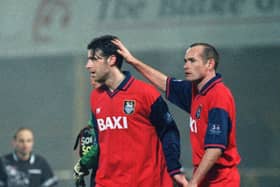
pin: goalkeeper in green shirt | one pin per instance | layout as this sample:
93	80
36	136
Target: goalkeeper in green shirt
88	151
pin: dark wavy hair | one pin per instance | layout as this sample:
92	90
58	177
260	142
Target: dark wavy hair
104	45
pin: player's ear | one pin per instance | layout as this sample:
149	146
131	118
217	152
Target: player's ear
112	60
211	63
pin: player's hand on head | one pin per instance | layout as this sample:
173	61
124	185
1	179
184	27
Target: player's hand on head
124	51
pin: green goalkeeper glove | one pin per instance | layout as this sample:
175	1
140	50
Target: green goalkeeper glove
79	171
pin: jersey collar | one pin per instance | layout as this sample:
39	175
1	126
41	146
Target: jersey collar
31	158
126	82
124	85
211	83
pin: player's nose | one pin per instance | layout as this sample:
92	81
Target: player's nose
88	65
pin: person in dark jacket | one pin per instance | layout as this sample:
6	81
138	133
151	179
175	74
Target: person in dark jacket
23	168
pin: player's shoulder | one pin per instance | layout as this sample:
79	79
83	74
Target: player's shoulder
7	157
221	90
220	96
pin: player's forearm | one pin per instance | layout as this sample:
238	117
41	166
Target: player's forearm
210	157
168	134
156	77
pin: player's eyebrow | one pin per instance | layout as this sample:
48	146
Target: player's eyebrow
189	59
91	58
95	57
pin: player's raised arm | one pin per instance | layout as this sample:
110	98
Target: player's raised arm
154	76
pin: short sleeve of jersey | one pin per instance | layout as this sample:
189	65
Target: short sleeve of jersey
219	123
179	92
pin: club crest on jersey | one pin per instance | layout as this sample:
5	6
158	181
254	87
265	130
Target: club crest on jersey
129	107
198	112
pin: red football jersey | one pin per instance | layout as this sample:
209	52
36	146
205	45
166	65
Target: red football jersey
131	153
205	128
212	118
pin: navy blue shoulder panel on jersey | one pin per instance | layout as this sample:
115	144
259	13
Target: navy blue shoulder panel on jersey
179	92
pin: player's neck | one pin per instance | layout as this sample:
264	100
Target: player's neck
115	80
200	84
